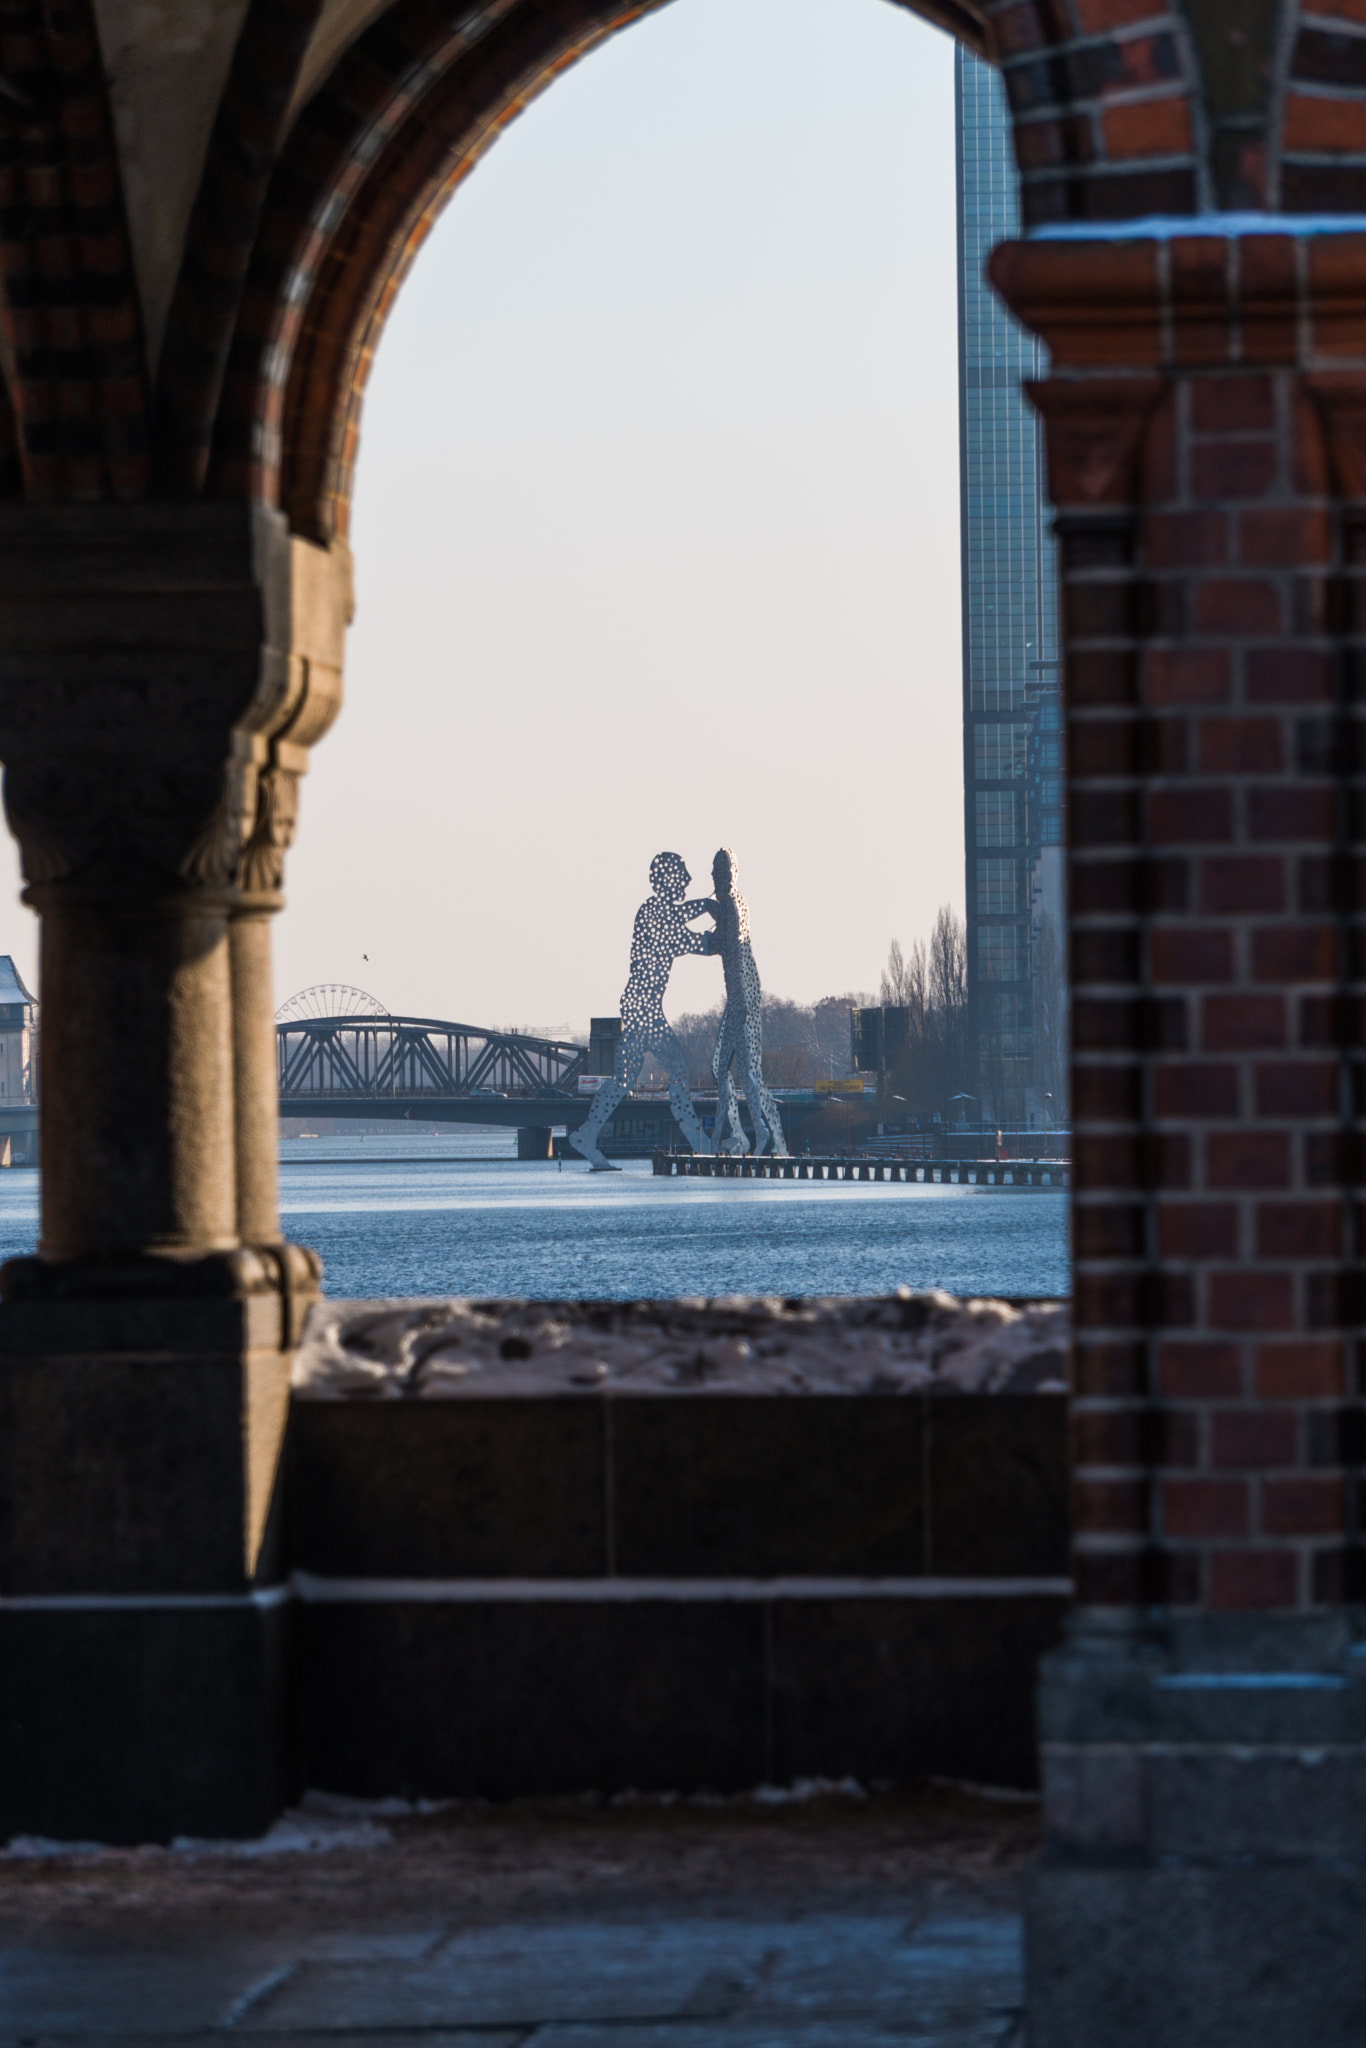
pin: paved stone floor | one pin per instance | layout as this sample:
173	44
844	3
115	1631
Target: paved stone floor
829	1923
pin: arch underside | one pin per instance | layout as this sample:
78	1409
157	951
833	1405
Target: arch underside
73	397
302	234
370	165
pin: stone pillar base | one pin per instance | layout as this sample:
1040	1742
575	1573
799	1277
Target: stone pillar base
1195	1956
1204	1884
535	1142
143	1610
128	1722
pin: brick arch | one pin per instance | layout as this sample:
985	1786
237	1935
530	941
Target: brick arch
73	397
1322	125
1105	128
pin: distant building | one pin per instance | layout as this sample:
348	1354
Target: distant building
18	1038
1012	725
18	1068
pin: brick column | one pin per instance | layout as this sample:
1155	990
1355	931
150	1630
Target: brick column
1205	1729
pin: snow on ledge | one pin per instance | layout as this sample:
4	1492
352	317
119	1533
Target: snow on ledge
904	1343
1167	227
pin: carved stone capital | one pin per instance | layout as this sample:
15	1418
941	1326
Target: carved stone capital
163	670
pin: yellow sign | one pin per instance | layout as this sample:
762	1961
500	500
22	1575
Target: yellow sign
852	1086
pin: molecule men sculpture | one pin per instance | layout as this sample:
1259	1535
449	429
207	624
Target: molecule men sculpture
661	935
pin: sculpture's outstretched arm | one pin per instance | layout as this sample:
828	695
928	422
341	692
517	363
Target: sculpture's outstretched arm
698	942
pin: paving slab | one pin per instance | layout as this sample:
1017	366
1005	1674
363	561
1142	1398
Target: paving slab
949	1970
834	1923
426	2037
995	2031
524	1976
870	1964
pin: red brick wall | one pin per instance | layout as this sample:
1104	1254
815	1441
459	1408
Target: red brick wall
1209	573
1323	128
1101	92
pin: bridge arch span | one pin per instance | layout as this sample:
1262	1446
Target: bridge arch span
354	1057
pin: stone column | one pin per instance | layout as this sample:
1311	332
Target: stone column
310	606
255	1095
1204	1730
162	670
137	1147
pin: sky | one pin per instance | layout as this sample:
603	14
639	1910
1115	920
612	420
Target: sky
656	535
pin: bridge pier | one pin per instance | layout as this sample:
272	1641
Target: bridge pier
534	1141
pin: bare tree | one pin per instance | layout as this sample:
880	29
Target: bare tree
948	974
803	1042
904	984
948	997
932	982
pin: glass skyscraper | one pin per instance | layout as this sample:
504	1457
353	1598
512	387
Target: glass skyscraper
1011	700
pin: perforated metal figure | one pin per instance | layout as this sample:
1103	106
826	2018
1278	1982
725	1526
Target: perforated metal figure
660	937
742	1031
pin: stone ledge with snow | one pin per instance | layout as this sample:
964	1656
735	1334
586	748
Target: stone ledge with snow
905	1343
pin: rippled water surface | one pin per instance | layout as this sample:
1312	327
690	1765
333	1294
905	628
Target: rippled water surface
460	1215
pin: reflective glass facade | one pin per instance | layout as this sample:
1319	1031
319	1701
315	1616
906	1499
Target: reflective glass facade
1011	720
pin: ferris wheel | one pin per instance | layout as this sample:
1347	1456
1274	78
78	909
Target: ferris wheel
329	999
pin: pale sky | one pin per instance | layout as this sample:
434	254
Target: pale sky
656	533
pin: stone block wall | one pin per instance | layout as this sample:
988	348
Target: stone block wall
607	1578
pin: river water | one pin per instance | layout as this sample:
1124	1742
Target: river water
459	1214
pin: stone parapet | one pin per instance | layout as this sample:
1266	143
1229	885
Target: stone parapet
685	1545
516	1548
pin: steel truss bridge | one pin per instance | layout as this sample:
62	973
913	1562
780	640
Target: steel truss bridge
368	1066
383	1066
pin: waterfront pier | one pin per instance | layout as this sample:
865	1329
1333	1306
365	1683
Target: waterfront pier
983	1173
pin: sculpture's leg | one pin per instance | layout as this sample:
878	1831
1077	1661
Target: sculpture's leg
771	1115
631	1050
680	1095
730	1132
730	1135
721	1075
766	1133
151	662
